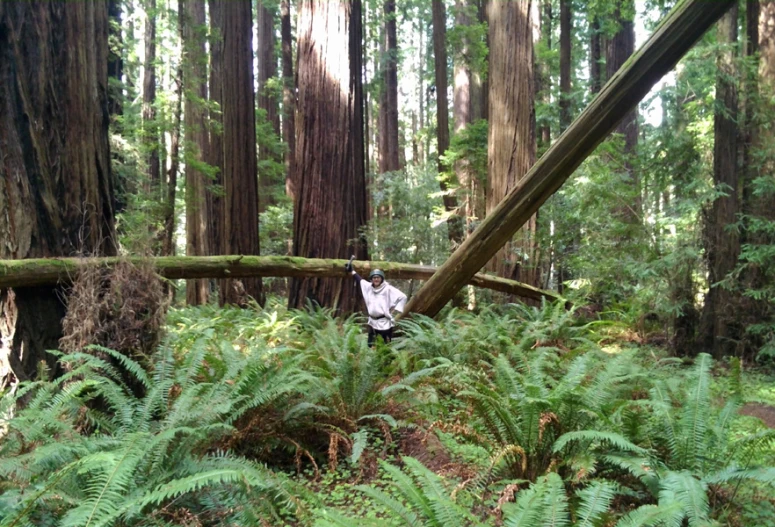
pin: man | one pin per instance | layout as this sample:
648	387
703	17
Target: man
381	299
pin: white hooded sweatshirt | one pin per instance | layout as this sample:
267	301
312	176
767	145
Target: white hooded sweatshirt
380	302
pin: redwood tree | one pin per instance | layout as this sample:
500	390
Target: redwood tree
512	141
267	69
150	129
330	206
722	245
289	98
439	19
240	171
195	87
57	197
388	134
215	210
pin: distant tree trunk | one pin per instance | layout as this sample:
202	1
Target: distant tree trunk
421	87
595	56
751	83
461	111
168	248
267	69
196	140
439	19
289	98
543	78
215	212
618	50
150	128
512	141
722	245
240	171
389	158
115	59
481	87
331	203
57	196
565	63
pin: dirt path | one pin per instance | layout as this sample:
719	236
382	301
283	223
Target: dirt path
765	412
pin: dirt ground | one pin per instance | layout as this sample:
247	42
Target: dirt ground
765	412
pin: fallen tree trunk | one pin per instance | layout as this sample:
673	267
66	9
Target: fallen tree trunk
49	271
682	27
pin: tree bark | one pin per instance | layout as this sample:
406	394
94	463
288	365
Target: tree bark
57	193
511	141
168	247
439	20
289	98
331	204
240	171
565	64
461	111
40	272
150	127
267	69
683	27
196	141
618	50
215	211
389	158
722	245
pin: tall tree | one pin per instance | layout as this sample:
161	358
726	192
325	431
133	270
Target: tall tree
115	59
388	135
543	14
240	171
566	25
618	50
722	245
57	197
595	55
512	140
215	212
196	143
267	69
289	98
330	207
150	128
439	19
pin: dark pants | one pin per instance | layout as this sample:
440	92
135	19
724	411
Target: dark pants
387	335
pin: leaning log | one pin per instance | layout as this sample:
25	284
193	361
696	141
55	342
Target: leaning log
49	271
682	27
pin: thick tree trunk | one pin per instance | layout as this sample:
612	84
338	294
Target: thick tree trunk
511	141
683	27
57	196
722	245
215	212
150	127
439	20
388	156
240	171
565	64
618	50
196	140
36	273
331	204
267	69
289	99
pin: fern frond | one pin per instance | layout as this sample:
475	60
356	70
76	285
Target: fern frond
690	492
595	501
594	436
651	516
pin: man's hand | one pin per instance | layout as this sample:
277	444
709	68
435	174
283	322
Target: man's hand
348	267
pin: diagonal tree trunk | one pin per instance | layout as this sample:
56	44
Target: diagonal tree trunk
330	206
683	26
57	192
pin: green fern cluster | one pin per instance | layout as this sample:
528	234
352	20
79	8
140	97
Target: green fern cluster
86	452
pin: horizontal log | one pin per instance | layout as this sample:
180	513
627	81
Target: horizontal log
50	271
682	27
